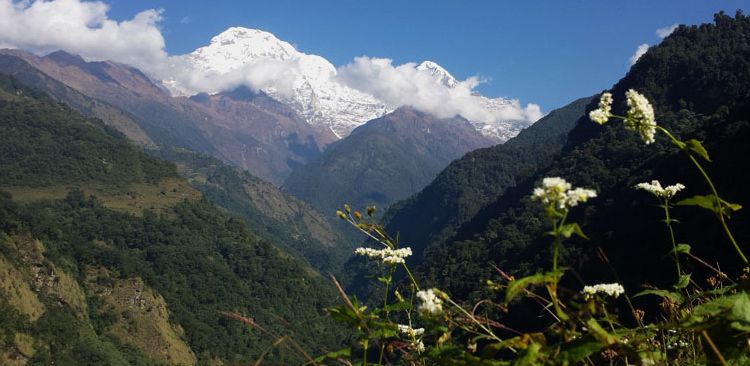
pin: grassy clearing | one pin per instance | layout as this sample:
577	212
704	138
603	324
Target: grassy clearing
133	198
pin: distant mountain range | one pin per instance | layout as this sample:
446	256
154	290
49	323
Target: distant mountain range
384	161
247	129
310	84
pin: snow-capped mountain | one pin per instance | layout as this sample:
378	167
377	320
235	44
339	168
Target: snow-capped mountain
308	83
310	88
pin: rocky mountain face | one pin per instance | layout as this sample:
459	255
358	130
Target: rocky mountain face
246	129
307	83
384	161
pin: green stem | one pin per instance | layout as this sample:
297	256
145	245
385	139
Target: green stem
606	316
365	345
668	221
413	281
720	210
489	331
387	313
552	289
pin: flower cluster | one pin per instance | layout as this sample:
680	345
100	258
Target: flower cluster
409	331
656	189
431	304
555	191
387	255
640	116
609	289
602	114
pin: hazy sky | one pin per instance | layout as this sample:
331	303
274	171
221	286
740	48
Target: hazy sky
543	52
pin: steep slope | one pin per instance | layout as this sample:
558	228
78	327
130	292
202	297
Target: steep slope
478	178
698	79
29	75
383	161
246	129
89	280
295	225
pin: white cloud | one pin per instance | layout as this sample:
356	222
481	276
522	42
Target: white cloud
638	53
82	28
666	31
182	76
405	85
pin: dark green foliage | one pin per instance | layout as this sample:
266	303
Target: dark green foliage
470	183
46	143
698	78
202	262
198	258
294	224
478	178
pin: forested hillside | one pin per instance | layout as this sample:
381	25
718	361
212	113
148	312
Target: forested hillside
108	257
699	80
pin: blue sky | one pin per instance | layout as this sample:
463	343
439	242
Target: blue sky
545	52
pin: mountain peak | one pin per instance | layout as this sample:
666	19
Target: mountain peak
441	75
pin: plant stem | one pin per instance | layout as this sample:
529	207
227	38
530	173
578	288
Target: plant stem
489	331
668	221
385	306
413	281
719	207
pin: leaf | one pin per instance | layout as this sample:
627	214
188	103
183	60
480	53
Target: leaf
682	282
579	351
708	202
675	297
682	248
596	330
696	147
345	353
568	230
516	286
733	310
731	206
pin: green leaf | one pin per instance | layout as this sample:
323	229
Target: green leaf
696	147
674	296
708	202
682	282
682	248
515	287
598	332
733	310
731	206
579	351
342	353
568	230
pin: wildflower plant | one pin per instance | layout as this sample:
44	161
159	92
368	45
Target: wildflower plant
426	326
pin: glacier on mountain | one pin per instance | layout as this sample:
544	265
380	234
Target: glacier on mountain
310	85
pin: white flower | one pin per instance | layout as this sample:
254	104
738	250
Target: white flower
574	196
387	255
656	189
602	114
419	346
609	289
409	331
557	192
431	304
640	116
